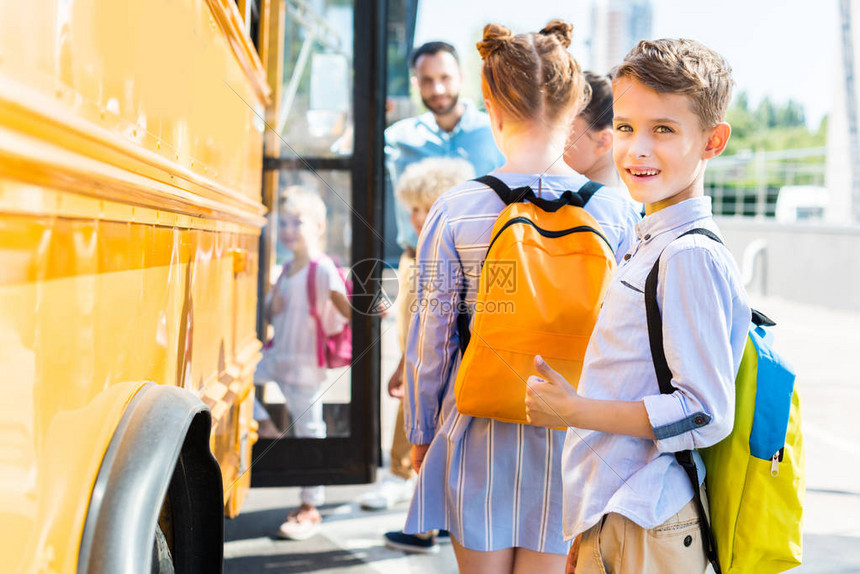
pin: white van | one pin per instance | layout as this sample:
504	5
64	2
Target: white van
801	203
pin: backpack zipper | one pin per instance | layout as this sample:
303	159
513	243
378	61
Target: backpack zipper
774	462
550	234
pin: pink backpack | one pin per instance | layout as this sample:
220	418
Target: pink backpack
333	351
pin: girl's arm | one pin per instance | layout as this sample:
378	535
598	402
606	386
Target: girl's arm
341	303
331	282
705	325
432	341
274	303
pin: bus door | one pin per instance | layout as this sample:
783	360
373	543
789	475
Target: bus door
325	135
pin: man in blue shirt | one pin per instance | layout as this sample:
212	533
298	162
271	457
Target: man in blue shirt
451	128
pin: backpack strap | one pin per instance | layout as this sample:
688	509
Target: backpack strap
509	196
312	302
464	334
505	193
664	379
588	190
759	319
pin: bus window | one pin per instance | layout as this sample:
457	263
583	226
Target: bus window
303	193
315	107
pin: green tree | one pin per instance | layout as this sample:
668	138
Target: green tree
770	126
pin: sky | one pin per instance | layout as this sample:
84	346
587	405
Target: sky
784	49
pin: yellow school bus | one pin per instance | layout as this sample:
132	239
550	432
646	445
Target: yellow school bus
131	153
137	218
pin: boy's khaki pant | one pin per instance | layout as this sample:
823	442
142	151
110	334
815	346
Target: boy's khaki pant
617	545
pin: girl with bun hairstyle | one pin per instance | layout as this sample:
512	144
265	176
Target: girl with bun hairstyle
495	486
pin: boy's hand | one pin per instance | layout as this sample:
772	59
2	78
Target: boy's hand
549	397
279	304
395	384
419	451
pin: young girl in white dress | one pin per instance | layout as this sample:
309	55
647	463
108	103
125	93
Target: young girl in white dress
292	359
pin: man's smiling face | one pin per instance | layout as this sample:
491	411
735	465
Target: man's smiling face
438	79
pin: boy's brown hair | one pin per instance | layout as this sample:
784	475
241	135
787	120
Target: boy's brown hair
681	66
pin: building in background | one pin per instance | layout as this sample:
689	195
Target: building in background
616	26
843	132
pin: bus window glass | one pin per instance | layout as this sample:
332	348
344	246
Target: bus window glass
315	116
302	399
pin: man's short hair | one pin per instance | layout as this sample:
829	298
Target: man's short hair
423	182
681	66
430	48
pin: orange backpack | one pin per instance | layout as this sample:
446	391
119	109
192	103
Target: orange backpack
543	280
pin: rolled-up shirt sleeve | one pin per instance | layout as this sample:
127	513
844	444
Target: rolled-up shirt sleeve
432	342
695	299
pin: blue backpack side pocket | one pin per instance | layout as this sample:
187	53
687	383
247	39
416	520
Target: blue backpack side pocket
775	386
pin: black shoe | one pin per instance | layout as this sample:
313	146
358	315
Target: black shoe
443	536
397	540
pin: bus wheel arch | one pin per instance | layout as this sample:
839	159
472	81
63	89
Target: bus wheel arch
158	478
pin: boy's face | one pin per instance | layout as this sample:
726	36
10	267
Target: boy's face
660	148
417	215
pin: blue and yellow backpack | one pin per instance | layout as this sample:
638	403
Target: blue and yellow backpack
755	476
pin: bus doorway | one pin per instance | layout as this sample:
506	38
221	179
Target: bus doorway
325	136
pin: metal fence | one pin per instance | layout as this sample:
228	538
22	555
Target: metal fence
748	184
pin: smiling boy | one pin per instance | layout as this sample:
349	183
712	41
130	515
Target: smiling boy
625	493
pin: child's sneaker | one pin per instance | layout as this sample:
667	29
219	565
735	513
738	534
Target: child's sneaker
411	543
388	492
300	525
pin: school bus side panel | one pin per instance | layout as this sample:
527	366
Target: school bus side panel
130	169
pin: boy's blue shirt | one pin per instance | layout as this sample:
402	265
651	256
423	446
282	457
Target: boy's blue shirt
705	323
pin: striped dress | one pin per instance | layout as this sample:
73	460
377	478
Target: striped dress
493	485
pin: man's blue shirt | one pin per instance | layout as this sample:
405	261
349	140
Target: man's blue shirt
412	139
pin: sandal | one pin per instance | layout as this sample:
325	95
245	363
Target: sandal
301	524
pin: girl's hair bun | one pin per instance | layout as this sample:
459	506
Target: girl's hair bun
495	37
558	28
